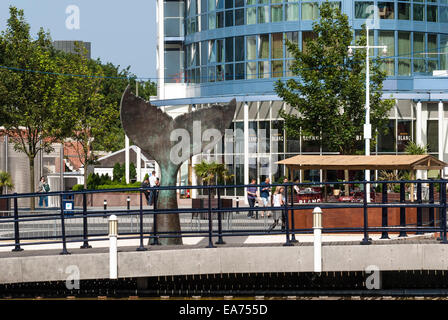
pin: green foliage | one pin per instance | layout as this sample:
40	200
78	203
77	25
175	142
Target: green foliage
32	108
413	148
78	187
118	171
5	181
132	171
212	172
329	91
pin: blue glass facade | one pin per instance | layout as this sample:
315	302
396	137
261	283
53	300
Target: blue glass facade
235	48
228	41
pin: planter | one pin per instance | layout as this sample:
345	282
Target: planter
114	199
5	205
202	203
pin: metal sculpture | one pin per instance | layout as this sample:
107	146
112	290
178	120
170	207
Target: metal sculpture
157	133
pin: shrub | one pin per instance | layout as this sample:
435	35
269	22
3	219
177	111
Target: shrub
78	187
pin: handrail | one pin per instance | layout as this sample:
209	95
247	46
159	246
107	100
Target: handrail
288	210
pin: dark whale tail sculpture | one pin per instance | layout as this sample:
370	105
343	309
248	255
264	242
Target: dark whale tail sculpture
152	130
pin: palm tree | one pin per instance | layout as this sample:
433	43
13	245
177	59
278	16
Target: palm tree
5	181
212	172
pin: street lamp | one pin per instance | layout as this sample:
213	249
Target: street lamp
367	126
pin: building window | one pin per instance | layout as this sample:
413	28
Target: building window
386	10
251	15
263	14
292	12
431	13
386	38
403	134
404	11
386	141
363	10
277	13
310	11
419	12
432	130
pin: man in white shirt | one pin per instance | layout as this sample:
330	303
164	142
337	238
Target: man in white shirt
152	183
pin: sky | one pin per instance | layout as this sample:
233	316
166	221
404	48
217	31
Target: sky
121	32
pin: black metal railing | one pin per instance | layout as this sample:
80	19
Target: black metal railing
435	223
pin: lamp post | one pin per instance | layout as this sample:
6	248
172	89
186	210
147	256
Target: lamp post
367	125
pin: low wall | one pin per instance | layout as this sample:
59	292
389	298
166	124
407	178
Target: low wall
114	199
354	217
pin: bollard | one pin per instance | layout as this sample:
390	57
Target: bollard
317	230
105	208
113	255
128	202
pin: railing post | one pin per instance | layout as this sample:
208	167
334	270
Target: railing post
402	209
84	222
210	222
113	252
64	244
128	202
419	209
443	212
16	225
286	211
431	201
141	247
220	240
384	211
317	231
293	227
366	239
154	219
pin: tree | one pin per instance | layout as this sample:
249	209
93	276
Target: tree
112	89
31	102
329	93
91	113
5	181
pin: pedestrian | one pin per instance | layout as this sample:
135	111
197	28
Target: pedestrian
152	184
251	197
156	192
285	180
43	188
145	184
277	201
264	195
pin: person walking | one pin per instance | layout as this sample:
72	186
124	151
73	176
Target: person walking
251	197
285	180
152	184
264	195
43	188
145	184
277	201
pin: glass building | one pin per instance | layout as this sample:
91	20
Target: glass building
210	51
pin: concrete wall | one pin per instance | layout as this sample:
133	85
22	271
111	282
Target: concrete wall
185	261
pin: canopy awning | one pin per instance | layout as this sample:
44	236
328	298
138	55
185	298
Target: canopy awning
361	162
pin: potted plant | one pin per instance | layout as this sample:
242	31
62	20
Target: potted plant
211	173
5	181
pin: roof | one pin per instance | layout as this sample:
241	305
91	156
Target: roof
109	161
361	162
